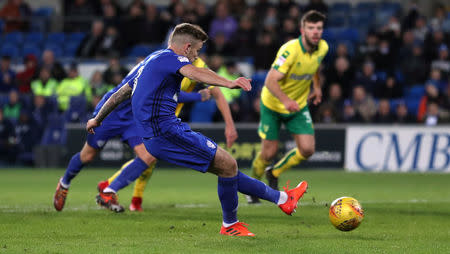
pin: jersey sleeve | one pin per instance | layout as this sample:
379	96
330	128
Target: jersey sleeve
173	62
284	59
189	97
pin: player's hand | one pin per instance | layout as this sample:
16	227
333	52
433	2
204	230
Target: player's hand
205	93
291	105
230	135
91	124
315	96
241	82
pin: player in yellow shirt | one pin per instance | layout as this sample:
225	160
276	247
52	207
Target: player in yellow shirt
284	100
231	135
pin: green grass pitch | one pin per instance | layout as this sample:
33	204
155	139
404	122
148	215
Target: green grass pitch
404	213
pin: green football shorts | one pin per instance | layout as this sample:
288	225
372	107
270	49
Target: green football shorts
296	123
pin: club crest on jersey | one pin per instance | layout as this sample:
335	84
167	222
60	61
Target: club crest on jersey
183	59
175	97
210	144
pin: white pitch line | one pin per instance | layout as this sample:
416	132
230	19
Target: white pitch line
84	208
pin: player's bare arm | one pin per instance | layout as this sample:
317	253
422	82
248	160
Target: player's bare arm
230	130
316	94
116	98
274	87
209	77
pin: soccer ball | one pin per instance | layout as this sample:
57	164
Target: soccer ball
346	213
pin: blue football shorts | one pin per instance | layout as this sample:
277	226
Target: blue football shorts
109	129
184	147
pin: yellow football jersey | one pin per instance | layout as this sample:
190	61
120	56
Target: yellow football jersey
298	67
187	85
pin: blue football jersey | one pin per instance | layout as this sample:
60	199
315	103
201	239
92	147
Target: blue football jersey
156	87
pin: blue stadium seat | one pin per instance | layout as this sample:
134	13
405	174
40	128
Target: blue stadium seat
348	34
381	75
57	38
55	132
412	105
416	91
34	37
337	20
44	11
140	50
341	8
203	112
75	37
31	48
10	50
71	48
258	79
13	37
2	25
364	6
390	6
56	48
77	110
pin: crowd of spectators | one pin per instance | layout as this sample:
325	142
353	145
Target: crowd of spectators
367	81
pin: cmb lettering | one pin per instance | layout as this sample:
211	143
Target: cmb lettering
428	151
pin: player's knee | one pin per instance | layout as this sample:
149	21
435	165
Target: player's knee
146	158
231	170
307	151
87	157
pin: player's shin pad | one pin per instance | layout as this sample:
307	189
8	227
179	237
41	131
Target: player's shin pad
292	158
142	181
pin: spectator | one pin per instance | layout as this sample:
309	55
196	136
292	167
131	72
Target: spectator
363	103
405	52
27	136
90	45
335	98
436	79
45	85
110	43
432	43
383	114
402	116
40	112
237	7
132	26
56	69
284	6
432	116
230	72
154	27
431	95
11	110
414	68
341	73
7	75
113	68
73	85
420	29
342	51
350	115
326	114
245	38
289	30
438	18
390	89
15	14
367	50
270	21
260	8
110	15
98	86
223	23
8	144
317	5
219	46
204	18
265	51
24	77
384	57
367	78
442	63
79	15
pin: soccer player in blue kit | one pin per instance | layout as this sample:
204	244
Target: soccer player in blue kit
119	123
155	90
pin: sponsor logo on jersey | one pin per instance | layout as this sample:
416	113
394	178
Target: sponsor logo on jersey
210	144
183	59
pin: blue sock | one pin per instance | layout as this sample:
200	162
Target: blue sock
227	190
253	187
74	167
129	174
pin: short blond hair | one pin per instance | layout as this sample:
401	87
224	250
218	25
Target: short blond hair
186	32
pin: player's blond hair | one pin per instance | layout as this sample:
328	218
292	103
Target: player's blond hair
186	32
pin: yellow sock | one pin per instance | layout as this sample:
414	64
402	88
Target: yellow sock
292	158
142	181
119	171
258	166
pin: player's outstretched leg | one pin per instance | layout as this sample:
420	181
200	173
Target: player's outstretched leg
287	200
258	166
107	197
76	163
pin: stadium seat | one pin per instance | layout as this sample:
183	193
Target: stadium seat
416	92
55	132
348	34
412	105
337	20
31	48
44	11
203	112
341	8
2	25
34	37
364	6
77	109
57	38
13	38
75	37
10	50
258	79
71	48
140	50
